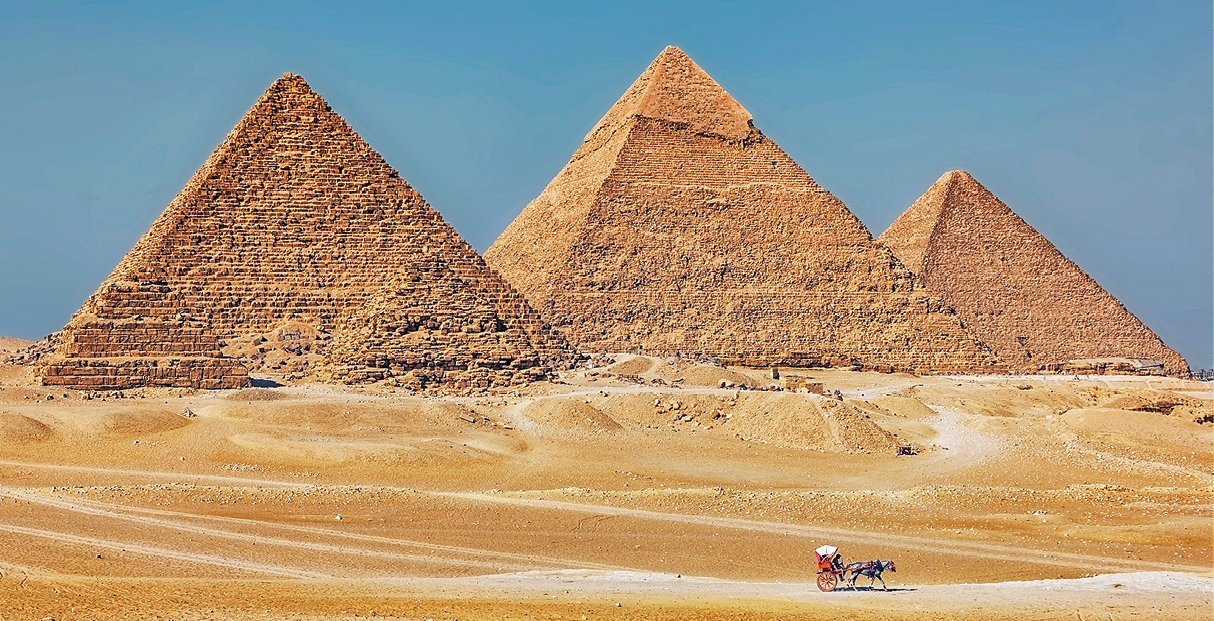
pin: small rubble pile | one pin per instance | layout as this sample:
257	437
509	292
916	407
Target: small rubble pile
293	349
32	353
1168	403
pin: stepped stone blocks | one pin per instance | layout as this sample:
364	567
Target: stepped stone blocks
678	226
441	324
295	220
1011	286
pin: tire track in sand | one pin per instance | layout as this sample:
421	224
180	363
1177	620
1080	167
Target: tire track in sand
177	555
180	476
514	561
937	546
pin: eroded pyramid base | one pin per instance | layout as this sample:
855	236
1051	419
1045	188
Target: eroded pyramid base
426	378
123	373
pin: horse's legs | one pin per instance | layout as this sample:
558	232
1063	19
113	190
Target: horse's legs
883	587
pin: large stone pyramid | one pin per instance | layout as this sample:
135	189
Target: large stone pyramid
294	220
1011	286
679	227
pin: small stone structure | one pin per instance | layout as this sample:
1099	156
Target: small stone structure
678	226
1011	286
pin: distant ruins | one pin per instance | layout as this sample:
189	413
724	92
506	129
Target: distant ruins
678	226
295	225
1014	290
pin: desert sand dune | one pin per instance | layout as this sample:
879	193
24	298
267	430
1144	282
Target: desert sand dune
676	500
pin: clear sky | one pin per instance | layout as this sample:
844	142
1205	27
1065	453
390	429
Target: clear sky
1091	119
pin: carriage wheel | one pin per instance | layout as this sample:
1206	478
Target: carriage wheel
827	581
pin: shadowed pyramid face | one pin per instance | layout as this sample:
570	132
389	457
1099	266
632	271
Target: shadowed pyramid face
1010	285
295	222
678	226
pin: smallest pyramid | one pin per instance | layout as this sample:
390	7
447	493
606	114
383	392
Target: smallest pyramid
1010	286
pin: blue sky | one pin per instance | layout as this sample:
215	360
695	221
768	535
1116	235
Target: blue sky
1091	119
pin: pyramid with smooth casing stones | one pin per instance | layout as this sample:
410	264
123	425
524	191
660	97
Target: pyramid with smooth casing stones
294	236
1011	286
679	227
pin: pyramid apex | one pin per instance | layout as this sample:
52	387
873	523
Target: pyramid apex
954	175
290	81
674	88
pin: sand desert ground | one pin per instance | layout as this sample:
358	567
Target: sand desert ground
335	408
638	488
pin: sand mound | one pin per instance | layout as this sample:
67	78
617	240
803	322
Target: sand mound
1197	414
1148	428
11	344
136	422
346	418
1150	401
12	375
658	409
257	394
808	423
903	406
570	414
855	430
783	420
634	366
1007	401
709	375
16	428
295	449
1183	407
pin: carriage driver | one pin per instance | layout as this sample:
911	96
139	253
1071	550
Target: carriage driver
828	559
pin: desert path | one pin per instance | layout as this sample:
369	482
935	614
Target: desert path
177	555
242	529
159	474
824	533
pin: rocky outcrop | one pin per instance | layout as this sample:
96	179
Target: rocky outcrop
678	226
1013	289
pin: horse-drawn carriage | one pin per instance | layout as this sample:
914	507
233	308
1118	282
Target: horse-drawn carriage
831	570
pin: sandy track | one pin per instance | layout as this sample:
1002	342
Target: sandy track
934	545
496	560
964	446
177	555
176	476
